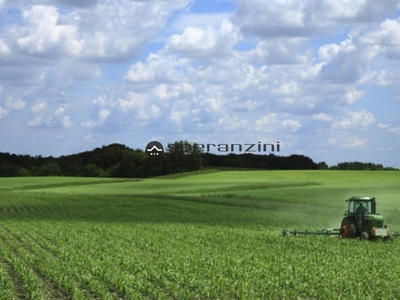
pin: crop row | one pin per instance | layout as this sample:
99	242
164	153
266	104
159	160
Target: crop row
83	260
70	246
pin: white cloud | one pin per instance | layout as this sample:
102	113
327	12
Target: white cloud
353	95
328	52
387	36
273	122
279	51
354	120
355	144
60	111
208	42
41	33
213	105
122	29
159	67
39	106
101	101
101	117
288	69
390	129
349	63
4	49
66	122
277	18
131	101
10	105
165	92
199	20
98	31
322	117
35	122
55	119
395	130
383	126
3	112
79	3
177	116
307	17
291	125
232	124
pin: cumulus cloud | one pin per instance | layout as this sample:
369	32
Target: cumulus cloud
282	51
355	144
353	95
39	106
101	117
51	119
159	68
120	30
78	3
278	18
322	117
295	85
273	122
207	42
10	105
349	63
387	36
393	129
40	33
354	120
295	70
306	17
35	122
4	48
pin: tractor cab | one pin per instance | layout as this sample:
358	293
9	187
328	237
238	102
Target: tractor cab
361	205
361	220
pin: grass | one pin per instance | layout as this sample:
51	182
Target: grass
204	235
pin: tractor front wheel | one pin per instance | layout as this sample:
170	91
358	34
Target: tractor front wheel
364	236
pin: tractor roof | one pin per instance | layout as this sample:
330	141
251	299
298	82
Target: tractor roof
358	198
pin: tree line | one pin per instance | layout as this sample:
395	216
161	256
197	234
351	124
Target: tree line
356	165
116	160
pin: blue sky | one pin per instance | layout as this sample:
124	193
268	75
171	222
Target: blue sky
321	77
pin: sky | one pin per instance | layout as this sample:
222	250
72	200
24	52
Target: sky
322	77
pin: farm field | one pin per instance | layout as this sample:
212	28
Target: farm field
204	235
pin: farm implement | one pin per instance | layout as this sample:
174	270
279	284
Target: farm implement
360	221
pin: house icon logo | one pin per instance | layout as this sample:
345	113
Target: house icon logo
154	148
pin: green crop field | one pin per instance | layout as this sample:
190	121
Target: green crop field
206	235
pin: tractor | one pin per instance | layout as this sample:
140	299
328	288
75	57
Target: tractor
361	220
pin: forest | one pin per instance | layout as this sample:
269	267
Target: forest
120	161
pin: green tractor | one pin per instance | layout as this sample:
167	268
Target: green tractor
361	220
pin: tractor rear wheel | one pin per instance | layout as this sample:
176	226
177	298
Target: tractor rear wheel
348	229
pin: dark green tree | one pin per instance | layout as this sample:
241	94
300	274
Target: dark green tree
50	169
